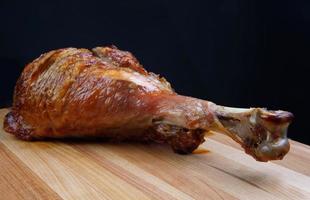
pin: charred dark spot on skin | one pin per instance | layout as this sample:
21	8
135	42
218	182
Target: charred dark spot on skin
10	124
181	139
123	59
13	124
186	141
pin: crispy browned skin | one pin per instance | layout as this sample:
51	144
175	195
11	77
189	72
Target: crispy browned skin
107	93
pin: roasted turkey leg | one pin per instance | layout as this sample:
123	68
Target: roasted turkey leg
107	93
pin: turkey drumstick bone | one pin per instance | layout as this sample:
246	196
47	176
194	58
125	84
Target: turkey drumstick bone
260	132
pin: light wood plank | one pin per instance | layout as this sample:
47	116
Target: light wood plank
135	159
18	182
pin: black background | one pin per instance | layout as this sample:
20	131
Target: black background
235	53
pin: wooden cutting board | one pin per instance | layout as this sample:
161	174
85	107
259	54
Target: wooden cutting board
98	170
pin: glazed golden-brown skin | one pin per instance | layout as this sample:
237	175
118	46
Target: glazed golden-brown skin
107	93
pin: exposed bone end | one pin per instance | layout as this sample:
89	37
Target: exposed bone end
262	133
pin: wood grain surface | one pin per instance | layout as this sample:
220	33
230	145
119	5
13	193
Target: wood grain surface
76	169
